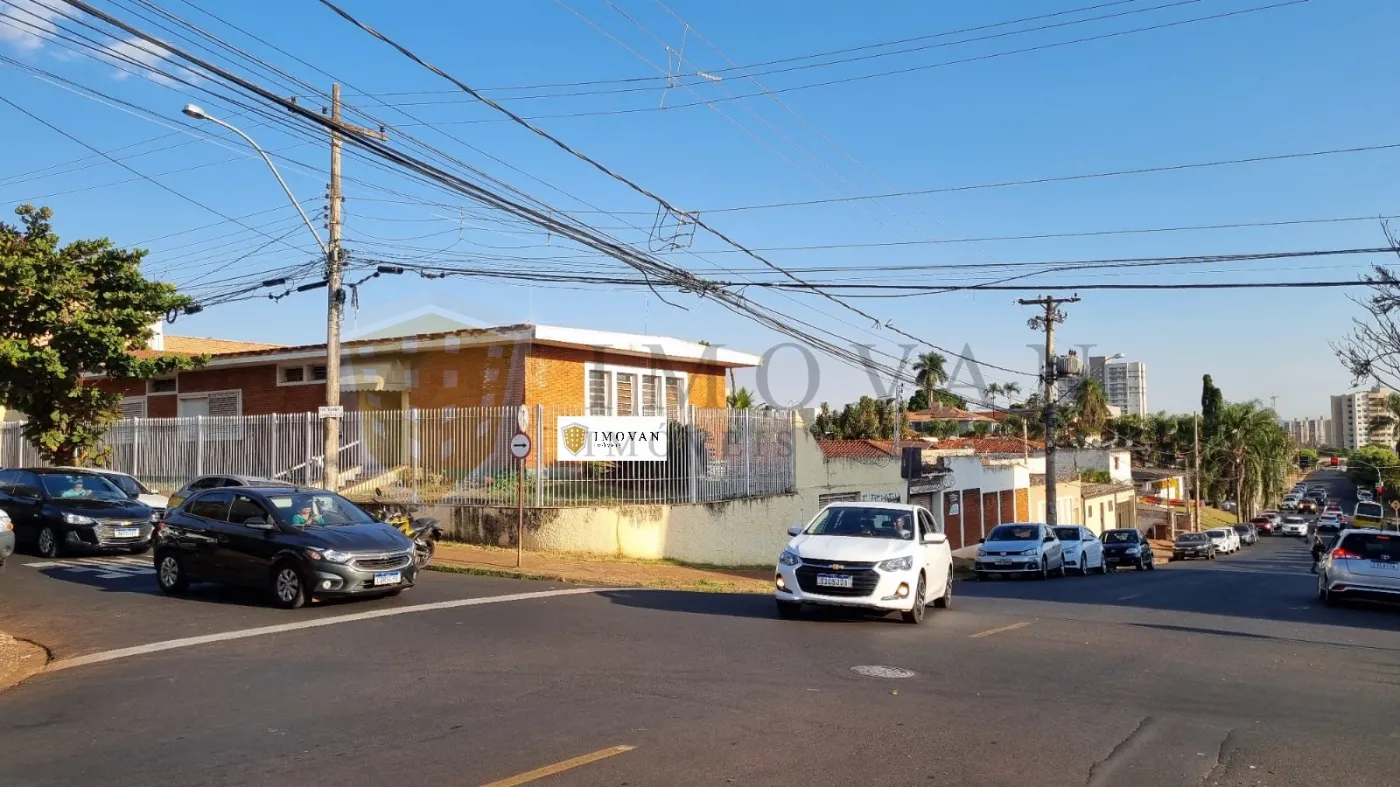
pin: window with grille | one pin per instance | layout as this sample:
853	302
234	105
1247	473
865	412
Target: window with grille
318	372
293	374
134	407
162	385
673	396
626	394
651	394
598	392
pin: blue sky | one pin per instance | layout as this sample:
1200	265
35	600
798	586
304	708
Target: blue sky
1308	76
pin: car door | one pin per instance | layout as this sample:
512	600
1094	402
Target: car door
1091	550
25	505
937	556
248	551
8	480
203	516
1051	548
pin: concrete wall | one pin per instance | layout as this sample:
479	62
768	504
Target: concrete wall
750	531
1116	461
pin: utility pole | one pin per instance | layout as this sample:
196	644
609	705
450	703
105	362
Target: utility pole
1047	323
1196	459
335	296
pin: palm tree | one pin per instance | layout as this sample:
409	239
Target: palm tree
930	372
1250	452
1091	408
993	391
1010	390
741	399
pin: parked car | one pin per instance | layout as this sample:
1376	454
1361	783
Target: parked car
7	537
298	543
1290	503
1022	548
133	488
1362	564
1263	526
1246	533
1220	537
221	481
1294	526
58	509
1127	547
886	557
1189	545
1082	549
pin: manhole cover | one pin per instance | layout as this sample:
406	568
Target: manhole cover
876	671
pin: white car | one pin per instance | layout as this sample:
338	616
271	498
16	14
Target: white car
1294	526
1021	548
888	557
1220	536
133	488
1365	497
1082	549
1328	519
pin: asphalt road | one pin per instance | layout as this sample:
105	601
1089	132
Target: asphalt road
1226	672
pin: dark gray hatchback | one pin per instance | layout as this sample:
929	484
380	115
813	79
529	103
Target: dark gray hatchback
296	543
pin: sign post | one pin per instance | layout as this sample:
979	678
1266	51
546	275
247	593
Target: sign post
520	448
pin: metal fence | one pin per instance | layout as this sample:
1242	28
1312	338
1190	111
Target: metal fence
454	456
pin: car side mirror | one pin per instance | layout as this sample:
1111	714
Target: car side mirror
935	538
1048	539
981	540
795	530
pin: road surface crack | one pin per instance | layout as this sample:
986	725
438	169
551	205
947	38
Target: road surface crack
1220	757
1101	772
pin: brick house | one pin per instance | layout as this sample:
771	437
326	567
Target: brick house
597	372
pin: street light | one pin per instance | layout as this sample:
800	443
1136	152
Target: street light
197	112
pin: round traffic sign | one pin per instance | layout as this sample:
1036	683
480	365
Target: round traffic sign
520	446
522	417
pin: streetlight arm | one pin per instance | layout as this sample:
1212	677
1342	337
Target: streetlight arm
276	174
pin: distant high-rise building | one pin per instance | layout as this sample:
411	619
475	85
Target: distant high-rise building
1124	382
1353	415
1311	432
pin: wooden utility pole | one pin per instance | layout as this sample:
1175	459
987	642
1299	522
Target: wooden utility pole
1196	458
1047	323
335	296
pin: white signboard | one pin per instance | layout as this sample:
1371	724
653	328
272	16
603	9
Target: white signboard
335	411
520	446
522	417
612	438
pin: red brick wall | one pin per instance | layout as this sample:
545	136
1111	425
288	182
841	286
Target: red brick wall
990	517
1008	506
554	375
972	515
953	523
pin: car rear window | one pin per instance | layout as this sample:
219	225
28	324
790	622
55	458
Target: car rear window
1120	537
1374	546
1067	533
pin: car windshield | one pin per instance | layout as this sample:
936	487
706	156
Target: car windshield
1187	538
1120	537
1067	533
80	486
129	485
1241	528
858	522
1293	520
1216	533
301	509
1014	533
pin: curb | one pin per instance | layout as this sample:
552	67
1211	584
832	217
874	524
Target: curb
20	660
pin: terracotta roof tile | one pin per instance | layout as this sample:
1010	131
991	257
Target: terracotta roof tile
856	449
202	345
948	414
989	445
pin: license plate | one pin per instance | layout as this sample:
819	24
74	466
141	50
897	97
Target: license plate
1003	562
388	578
834	581
127	532
1386	566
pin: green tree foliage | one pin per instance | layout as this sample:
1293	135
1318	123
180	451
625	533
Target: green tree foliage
918	402
1370	463
1212	401
1090	410
1308	454
930	372
1249	454
69	311
866	419
742	399
1095	476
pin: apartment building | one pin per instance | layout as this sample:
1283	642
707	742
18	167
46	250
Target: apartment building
1124	383
1352	417
1309	431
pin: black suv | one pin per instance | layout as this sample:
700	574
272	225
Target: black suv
1127	547
58	509
297	543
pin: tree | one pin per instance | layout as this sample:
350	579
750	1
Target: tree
930	372
1250	453
949	399
866	419
741	399
1371	463
70	311
1211	403
1372	351
1095	476
1090	409
1010	390
993	390
919	401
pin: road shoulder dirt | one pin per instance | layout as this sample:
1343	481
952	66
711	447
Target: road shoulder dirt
601	570
19	660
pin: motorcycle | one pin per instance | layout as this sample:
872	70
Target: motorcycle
424	532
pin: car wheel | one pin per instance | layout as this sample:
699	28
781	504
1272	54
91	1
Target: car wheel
1140	565
1060	572
915	614
1103	565
288	588
1327	597
946	600
789	610
48	543
423	552
170	574
1151	562
1044	570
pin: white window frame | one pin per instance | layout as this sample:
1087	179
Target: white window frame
610	382
150	391
233	432
307	378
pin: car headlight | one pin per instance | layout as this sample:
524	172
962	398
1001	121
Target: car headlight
898	563
79	519
1134	550
789	558
981	552
333	555
1031	551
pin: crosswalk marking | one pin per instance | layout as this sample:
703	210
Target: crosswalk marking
123	567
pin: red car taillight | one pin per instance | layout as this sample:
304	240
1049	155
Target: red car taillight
1342	554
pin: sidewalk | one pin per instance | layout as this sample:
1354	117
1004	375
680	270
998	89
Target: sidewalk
600	570
19	659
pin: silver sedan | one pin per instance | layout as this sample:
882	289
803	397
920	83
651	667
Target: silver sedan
1362	564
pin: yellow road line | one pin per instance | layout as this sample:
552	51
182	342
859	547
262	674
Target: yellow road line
990	632
560	767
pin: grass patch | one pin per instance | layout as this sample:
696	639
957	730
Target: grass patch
655	583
